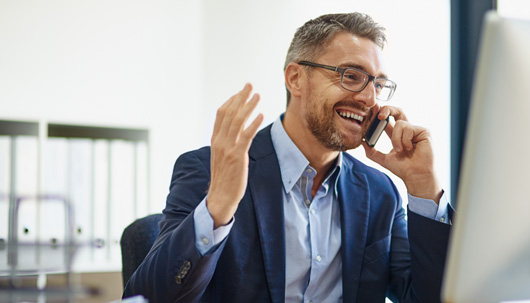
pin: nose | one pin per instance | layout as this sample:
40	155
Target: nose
367	95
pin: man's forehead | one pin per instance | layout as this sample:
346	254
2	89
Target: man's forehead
348	50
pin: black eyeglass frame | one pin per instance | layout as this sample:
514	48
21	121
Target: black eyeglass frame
342	70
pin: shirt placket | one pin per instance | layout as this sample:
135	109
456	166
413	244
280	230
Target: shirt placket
312	205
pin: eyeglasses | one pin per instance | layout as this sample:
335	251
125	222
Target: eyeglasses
355	80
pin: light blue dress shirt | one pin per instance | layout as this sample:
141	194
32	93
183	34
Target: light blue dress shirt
312	232
313	259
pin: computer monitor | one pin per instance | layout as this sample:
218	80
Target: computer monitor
489	252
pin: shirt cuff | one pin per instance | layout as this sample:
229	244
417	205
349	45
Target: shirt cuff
428	208
206	237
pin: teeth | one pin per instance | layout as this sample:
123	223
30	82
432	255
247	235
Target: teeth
351	116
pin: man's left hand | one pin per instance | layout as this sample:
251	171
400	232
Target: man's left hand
411	157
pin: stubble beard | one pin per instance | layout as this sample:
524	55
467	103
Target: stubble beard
323	127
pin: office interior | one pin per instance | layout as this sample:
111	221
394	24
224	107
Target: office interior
99	98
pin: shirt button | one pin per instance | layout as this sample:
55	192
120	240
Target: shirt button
205	241
442	219
319	258
313	211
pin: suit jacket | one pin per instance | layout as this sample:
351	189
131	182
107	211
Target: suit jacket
379	256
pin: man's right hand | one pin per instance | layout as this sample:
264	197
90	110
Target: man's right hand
229	155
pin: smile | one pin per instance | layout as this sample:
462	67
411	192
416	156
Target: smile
349	115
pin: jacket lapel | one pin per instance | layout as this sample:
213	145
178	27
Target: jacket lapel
354	201
266	191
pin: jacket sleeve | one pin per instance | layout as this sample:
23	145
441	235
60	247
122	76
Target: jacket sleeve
416	250
419	266
174	270
428	249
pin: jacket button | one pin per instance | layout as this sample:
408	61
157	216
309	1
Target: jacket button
183	271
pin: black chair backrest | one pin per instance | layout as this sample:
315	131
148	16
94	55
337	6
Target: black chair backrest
136	241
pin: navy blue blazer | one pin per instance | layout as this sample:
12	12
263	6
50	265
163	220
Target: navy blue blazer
379	256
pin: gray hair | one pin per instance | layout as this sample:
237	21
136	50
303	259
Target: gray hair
311	38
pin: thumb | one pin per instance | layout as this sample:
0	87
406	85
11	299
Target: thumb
373	154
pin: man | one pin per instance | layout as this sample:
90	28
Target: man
284	215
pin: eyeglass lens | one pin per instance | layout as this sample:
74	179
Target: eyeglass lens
356	81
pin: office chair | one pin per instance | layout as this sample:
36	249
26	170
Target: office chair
136	241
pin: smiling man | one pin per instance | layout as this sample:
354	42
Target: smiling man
283	214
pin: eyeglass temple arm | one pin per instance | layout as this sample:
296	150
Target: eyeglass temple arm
333	68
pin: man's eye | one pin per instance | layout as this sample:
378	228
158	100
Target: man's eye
379	85
352	77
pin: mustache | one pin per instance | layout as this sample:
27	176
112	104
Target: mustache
355	105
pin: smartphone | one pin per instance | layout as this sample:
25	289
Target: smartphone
375	130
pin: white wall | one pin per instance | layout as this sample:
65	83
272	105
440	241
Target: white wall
167	65
110	63
519	9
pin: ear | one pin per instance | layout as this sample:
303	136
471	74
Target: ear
294	74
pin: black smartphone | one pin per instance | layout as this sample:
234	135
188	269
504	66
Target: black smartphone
375	130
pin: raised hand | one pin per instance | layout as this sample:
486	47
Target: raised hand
229	155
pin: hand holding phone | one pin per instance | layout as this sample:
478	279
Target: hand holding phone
375	130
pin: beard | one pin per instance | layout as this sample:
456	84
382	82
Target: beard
323	127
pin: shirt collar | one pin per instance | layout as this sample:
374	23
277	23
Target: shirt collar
291	160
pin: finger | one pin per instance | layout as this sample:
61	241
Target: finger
408	135
242	116
228	110
248	134
240	98
221	112
389	129
373	154
396	138
220	116
395	112
235	106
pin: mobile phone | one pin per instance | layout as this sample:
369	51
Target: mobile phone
375	130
